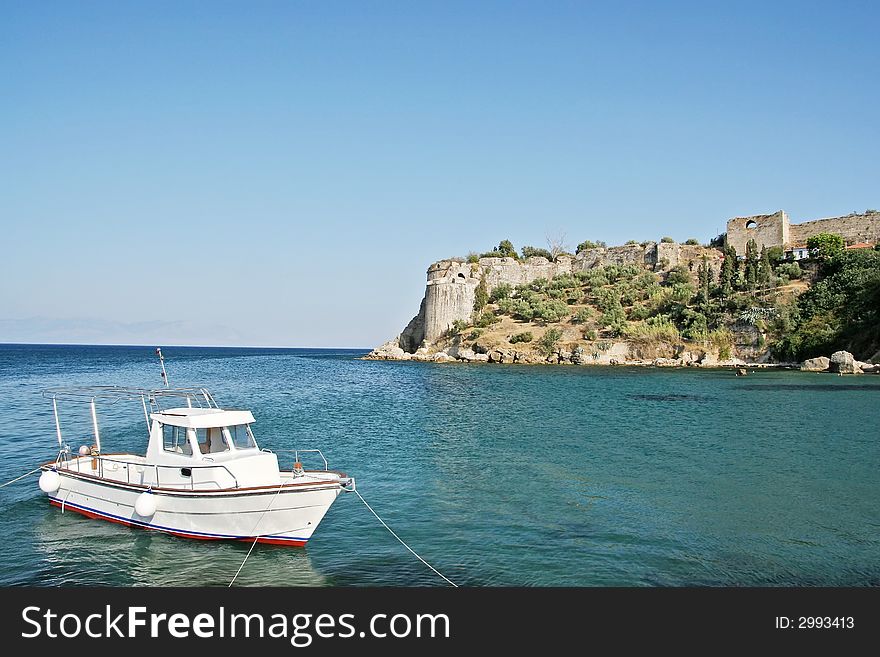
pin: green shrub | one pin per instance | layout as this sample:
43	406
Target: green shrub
564	282
683	293
583	316
525	336
638	312
538	285
588	244
507	306
501	291
476	333
678	275
473	258
825	245
481	295
722	340
593	278
667	240
505	248
695	325
590	334
790	270
631	242
523	310
486	319
692	241
653	331
458	326
530	251
550	311
613	316
548	341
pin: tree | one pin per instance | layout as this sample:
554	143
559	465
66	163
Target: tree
704	276
589	244
765	270
548	341
505	248
667	240
481	295
530	251
556	245
751	264
693	241
728	272
776	255
825	246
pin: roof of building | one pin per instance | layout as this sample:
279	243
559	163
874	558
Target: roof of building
860	245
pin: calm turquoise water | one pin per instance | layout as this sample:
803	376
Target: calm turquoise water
498	475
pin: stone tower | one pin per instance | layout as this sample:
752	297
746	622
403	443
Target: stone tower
766	229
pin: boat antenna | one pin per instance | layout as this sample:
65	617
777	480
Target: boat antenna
162	362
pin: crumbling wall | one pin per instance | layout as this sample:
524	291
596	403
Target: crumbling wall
766	229
853	228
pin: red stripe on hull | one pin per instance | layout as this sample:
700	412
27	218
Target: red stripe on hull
267	540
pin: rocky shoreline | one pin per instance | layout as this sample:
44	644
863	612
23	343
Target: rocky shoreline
841	362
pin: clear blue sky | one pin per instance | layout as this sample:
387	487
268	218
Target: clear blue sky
282	173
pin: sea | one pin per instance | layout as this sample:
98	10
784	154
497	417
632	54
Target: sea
497	475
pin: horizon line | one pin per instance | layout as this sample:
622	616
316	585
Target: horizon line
167	345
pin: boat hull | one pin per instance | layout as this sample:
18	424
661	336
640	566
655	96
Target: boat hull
278	515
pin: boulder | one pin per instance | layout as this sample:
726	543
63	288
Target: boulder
466	354
819	364
867	368
500	356
443	357
843	362
709	360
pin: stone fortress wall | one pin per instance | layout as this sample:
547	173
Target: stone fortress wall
776	229
451	286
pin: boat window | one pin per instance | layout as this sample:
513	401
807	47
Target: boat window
242	437
211	440
174	440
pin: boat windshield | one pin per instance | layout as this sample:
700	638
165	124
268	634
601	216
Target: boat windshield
242	437
211	441
175	440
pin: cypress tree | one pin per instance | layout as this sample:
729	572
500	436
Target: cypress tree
728	272
751	264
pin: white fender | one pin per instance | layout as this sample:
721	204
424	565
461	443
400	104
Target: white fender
50	481
145	505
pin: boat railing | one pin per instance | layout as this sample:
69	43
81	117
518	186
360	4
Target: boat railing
97	468
297	452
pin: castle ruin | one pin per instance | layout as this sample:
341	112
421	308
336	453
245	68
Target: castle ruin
776	230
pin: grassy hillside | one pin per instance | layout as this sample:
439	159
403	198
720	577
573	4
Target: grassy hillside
759	305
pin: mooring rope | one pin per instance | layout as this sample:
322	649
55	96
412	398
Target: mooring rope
366	504
26	474
257	537
415	554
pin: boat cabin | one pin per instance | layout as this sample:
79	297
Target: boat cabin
197	447
197	437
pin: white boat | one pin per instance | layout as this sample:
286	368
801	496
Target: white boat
202	476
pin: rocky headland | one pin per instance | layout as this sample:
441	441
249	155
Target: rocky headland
660	304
